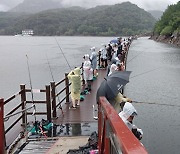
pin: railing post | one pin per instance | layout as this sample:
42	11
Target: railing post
67	87
2	136
99	58
53	96
82	70
48	102
23	100
100	129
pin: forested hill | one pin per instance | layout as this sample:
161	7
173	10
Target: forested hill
109	20
167	29
169	22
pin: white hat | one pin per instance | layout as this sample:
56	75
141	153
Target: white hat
93	49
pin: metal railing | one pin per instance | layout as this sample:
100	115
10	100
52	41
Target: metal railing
114	137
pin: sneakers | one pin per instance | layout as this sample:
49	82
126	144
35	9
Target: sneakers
72	107
77	105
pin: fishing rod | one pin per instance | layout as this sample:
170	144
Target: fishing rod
60	107
135	57
32	96
145	72
153	103
63	54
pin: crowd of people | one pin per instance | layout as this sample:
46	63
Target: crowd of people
112	58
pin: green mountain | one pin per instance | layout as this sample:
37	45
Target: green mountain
170	21
108	20
35	6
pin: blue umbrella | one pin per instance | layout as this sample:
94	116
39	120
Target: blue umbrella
114	41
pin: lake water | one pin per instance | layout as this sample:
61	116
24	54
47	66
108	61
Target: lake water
156	71
155	78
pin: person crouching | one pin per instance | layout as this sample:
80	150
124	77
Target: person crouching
127	115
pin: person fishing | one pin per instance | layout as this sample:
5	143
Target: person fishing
75	78
93	59
103	56
87	72
127	115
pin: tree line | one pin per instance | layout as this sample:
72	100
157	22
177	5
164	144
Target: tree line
110	20
169	24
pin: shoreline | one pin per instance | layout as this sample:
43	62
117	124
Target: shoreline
167	39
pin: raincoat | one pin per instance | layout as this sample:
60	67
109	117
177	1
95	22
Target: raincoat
103	52
75	79
119	99
88	71
112	69
128	111
93	58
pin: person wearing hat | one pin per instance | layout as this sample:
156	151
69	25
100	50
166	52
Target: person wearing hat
127	115
103	56
75	78
113	68
93	59
87	72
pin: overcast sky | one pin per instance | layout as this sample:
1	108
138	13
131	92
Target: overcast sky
145	4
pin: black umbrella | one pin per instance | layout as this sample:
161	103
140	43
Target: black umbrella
112	84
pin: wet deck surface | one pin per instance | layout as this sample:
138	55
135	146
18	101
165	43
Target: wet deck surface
61	146
73	127
84	113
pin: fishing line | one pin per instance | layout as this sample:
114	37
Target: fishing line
153	103
135	57
145	72
60	107
63	53
30	81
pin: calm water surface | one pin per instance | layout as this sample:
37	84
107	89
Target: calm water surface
155	78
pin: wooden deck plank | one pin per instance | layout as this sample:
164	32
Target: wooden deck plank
85	112
63	145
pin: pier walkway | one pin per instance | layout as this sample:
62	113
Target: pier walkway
84	113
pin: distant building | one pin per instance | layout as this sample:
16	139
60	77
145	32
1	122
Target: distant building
27	32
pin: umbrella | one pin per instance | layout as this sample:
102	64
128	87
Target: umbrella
114	41
112	84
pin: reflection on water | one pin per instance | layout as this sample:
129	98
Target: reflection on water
75	129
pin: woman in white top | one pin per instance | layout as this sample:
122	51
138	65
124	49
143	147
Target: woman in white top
93	59
87	72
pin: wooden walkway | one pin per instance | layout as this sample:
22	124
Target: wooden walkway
84	113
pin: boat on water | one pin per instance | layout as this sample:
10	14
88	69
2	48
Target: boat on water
113	134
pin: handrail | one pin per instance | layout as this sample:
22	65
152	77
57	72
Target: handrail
2	140
113	135
22	94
